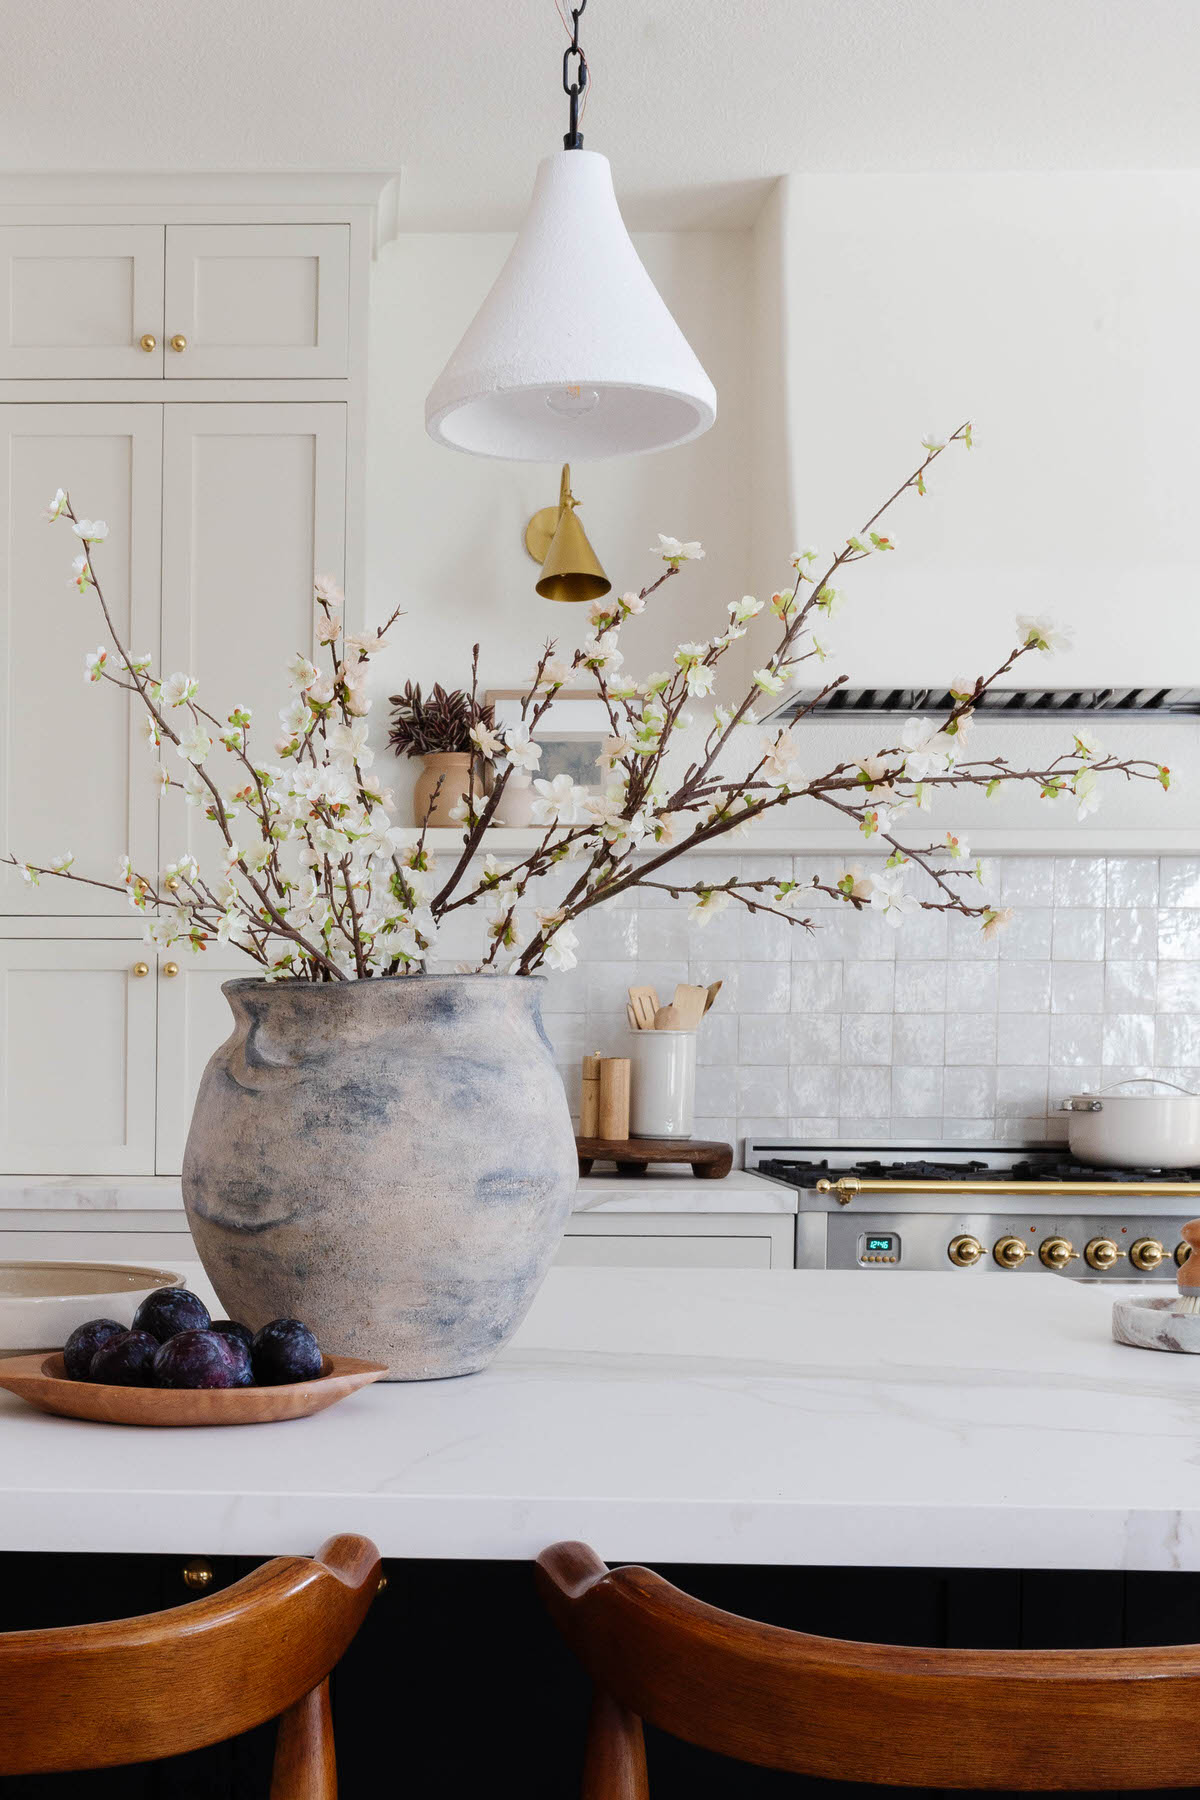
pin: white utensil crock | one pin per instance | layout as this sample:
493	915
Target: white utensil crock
1135	1131
663	1096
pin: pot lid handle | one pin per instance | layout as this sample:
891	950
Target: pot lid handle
1146	1081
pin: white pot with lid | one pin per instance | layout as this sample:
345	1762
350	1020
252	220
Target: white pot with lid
1135	1131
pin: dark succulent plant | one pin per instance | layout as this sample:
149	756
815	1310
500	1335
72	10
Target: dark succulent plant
424	725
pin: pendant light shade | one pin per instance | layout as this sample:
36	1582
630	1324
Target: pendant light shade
573	356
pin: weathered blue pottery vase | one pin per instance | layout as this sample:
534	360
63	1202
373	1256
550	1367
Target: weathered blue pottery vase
391	1161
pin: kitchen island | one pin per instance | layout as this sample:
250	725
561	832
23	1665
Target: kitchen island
961	1420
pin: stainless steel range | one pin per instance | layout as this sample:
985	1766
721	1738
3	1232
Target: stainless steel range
1002	1209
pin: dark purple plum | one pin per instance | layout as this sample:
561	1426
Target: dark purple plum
239	1354
84	1342
285	1350
231	1328
196	1359
126	1361
168	1311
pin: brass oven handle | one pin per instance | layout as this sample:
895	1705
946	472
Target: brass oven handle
849	1186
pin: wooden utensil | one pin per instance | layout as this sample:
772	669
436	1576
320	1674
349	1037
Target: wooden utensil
632	1017
43	1381
644	1002
668	1018
713	990
689	1003
589	1095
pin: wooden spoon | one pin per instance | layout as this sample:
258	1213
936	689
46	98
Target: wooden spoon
644	1002
713	991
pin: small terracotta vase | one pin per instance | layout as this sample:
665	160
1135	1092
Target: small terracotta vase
452	770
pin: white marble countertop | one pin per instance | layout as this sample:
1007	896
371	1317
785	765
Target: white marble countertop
720	1416
670	1190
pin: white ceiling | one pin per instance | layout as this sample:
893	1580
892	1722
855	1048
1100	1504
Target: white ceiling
699	103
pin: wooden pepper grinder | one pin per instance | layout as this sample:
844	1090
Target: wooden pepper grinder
589	1096
1189	1272
614	1099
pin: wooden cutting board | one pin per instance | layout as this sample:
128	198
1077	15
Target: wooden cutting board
709	1160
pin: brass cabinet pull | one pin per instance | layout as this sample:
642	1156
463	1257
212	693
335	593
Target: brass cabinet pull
179	342
170	969
148	342
197	1574
141	968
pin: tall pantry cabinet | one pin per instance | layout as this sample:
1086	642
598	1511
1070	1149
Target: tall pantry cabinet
187	357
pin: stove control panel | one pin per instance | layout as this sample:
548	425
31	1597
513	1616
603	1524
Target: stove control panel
1074	1246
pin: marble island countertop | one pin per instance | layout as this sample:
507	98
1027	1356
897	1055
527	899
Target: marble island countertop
669	1190
670	1415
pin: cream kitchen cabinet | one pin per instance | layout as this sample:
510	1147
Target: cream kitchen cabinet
193	1018
183	302
77	1056
218	517
679	1241
82	301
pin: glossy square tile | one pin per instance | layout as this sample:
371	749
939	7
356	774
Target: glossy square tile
1179	934
870	986
1026	880
666	936
1027	936
1179	881
764	1038
1024	987
815	1038
763	987
918	1037
1131	933
1079	880
1178	987
1078	934
1128	1039
972	986
1130	986
817	987
916	1090
1177	1038
1020	1091
717	1039
762	1093
920	986
814	1091
969	1091
971	1037
1022	1038
866	1037
1076	987
1134	881
1076	1039
864	1093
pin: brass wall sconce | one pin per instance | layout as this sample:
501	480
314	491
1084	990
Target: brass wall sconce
555	538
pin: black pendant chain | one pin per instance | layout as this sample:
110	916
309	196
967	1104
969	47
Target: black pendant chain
574	88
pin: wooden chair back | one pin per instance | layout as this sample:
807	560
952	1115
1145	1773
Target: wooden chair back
134	1690
1036	1720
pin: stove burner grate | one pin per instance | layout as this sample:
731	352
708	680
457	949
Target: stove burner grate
806	1174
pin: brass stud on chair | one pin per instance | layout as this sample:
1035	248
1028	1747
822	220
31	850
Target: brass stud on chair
197	1574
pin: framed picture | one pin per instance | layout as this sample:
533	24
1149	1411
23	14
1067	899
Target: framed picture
571	731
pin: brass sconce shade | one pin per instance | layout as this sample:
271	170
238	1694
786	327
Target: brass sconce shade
570	567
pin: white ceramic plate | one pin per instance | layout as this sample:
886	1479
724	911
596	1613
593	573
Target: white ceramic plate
41	1303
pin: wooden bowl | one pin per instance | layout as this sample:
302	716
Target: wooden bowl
43	1381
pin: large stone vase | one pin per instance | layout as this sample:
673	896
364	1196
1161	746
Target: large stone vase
391	1161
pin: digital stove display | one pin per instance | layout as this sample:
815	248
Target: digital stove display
880	1247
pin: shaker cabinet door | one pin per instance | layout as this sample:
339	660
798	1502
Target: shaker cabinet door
81	302
77	1043
254	503
263	301
193	1018
75	774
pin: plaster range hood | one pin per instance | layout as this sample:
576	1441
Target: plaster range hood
997	702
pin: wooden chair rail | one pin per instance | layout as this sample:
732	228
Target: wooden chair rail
163	1683
1039	1721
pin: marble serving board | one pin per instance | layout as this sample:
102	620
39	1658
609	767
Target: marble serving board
1146	1322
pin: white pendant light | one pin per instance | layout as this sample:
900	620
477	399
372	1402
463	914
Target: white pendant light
573	356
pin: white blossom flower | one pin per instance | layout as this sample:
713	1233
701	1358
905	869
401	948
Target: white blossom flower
301	672
556	674
860	542
672	551
877	769
176	689
522	752
956	846
708	903
633	603
367	643
933	440
1041	634
602	609
326	588
161	933
1086	791
320	691
600	652
485	740
81	575
769	681
928	751
613	750
138	665
92	531
780	756
54	510
745	609
149	730
348	744
31	875
995	919
659	682
186	869
233	927
558	801
162	778
60	864
328	627
854	884
194	744
94	663
623	687
888	896
803	560
1088	746
698	679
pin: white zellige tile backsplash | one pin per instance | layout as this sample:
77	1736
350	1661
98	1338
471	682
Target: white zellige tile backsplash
859	1030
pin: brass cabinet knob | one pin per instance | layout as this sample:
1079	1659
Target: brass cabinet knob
170	969
148	342
179	342
1146	1254
197	1574
964	1250
1057	1252
1010	1252
140	968
1182	1252
1102	1253
172	884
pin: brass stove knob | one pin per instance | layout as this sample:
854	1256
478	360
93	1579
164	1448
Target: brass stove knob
1102	1253
964	1250
1146	1254
1010	1252
1057	1252
1182	1252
